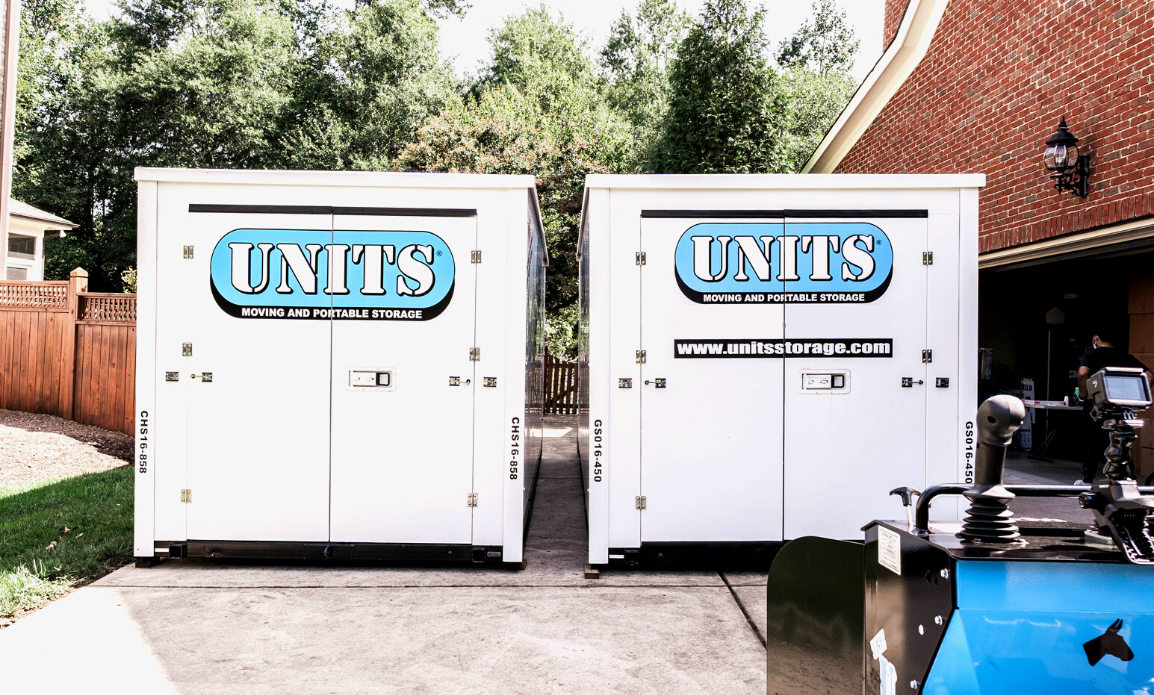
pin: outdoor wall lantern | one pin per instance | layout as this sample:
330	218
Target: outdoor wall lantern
1071	170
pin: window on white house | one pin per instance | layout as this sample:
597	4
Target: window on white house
15	273
21	247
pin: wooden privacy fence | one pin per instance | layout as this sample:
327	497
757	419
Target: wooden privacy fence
68	352
560	386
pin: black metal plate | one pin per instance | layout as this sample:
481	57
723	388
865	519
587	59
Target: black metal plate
902	604
814	618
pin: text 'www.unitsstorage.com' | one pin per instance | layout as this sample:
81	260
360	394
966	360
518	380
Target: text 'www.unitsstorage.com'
783	347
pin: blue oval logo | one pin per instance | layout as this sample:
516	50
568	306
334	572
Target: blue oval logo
316	274
820	262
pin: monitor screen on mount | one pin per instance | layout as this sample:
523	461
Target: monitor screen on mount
1128	387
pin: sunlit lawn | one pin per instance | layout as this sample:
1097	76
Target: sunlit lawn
58	534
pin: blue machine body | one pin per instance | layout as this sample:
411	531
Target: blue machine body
1020	627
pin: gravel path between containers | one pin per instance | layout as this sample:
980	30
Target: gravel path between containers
36	448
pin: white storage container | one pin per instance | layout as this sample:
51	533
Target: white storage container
337	365
765	357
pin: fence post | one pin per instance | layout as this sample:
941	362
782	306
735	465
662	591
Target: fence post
77	283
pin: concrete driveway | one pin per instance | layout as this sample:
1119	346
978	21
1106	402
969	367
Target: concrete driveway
199	627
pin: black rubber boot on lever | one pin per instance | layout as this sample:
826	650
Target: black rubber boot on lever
989	519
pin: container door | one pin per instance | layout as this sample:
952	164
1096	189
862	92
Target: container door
711	391
855	382
258	436
403	380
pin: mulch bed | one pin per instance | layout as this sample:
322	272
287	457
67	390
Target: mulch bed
36	448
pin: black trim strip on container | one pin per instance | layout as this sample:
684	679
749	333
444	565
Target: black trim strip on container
330	210
781	214
406	212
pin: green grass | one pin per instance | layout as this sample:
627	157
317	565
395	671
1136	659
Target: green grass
97	511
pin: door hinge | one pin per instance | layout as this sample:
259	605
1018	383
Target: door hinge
475	256
185	496
474	354
927	356
640	357
927	257
640	258
186	349
640	502
187	253
472	500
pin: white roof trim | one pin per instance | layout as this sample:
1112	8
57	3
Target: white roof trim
783	181
1069	243
913	39
47	221
397	179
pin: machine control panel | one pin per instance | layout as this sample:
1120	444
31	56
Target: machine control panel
371	379
825	381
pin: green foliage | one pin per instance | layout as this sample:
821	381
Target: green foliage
817	61
636	60
538	56
825	43
816	101
210	84
39	559
561	332
728	111
536	111
369	83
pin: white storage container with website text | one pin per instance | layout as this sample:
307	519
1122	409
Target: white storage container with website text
764	357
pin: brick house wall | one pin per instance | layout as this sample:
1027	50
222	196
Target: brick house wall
895	10
998	76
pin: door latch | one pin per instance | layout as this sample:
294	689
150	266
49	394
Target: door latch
908	382
659	383
205	377
624	383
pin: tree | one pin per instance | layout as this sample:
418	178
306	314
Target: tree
728	112
372	78
535	110
825	43
817	59
635	61
210	83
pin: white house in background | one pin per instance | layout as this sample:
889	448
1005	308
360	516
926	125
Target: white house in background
28	227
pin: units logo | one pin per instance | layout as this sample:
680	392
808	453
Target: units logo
760	263
318	274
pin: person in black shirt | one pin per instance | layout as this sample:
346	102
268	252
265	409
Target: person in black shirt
1103	355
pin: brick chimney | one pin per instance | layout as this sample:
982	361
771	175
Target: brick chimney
895	10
